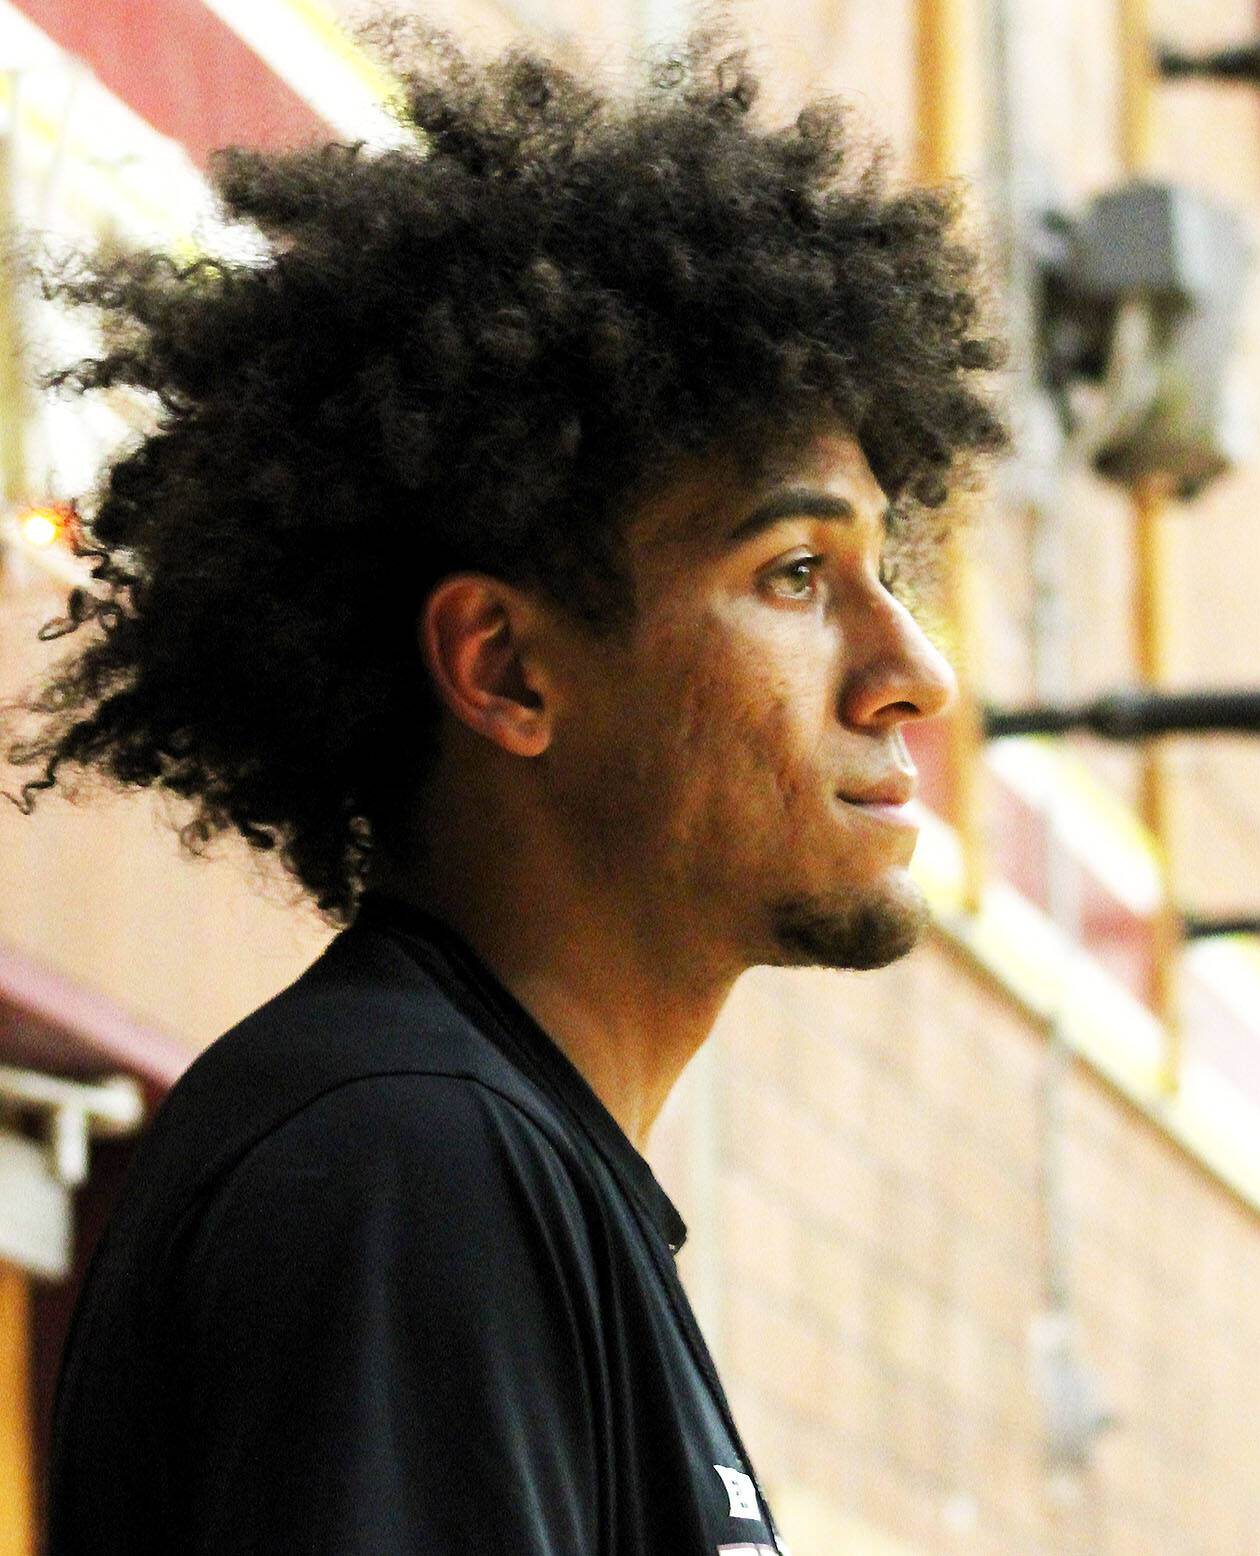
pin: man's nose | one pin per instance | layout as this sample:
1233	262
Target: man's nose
897	673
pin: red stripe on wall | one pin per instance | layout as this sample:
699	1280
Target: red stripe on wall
1016	842
182	69
49	1022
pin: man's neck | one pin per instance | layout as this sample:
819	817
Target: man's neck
628	1006
629	1030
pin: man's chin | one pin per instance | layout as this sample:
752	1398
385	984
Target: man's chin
854	931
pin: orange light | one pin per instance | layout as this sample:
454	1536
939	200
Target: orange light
45	523
39	528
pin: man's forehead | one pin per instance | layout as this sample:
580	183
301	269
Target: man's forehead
708	500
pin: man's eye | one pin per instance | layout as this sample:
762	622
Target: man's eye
796	580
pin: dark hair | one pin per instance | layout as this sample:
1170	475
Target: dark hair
475	351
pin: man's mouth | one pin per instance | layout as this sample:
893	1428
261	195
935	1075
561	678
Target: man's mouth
889	799
892	792
905	816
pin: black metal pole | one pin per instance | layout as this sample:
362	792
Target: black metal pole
1135	715
1241	63
1196	928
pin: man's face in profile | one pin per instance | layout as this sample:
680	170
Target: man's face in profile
735	766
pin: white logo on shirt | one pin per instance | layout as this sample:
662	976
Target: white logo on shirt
741	1491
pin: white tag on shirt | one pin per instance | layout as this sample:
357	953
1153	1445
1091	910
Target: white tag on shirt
741	1491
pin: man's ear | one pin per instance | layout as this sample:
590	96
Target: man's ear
477	636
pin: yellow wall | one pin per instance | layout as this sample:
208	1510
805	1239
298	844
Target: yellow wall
17	1514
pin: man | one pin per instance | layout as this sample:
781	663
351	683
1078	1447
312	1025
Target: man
515	554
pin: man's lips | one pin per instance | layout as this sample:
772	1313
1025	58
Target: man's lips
886	800
890	792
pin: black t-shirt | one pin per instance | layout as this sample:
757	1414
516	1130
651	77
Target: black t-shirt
386	1277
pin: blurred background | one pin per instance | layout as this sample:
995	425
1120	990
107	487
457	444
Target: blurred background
976	1240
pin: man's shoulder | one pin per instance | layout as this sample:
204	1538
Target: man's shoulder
355	1163
360	1024
419	1176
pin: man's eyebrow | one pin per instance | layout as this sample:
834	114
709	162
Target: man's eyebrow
797	502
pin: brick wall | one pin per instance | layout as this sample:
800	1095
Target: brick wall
879	1257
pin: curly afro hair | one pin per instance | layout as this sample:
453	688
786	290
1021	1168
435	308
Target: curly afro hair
477	350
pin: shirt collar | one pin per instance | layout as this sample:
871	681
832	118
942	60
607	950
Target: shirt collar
449	958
